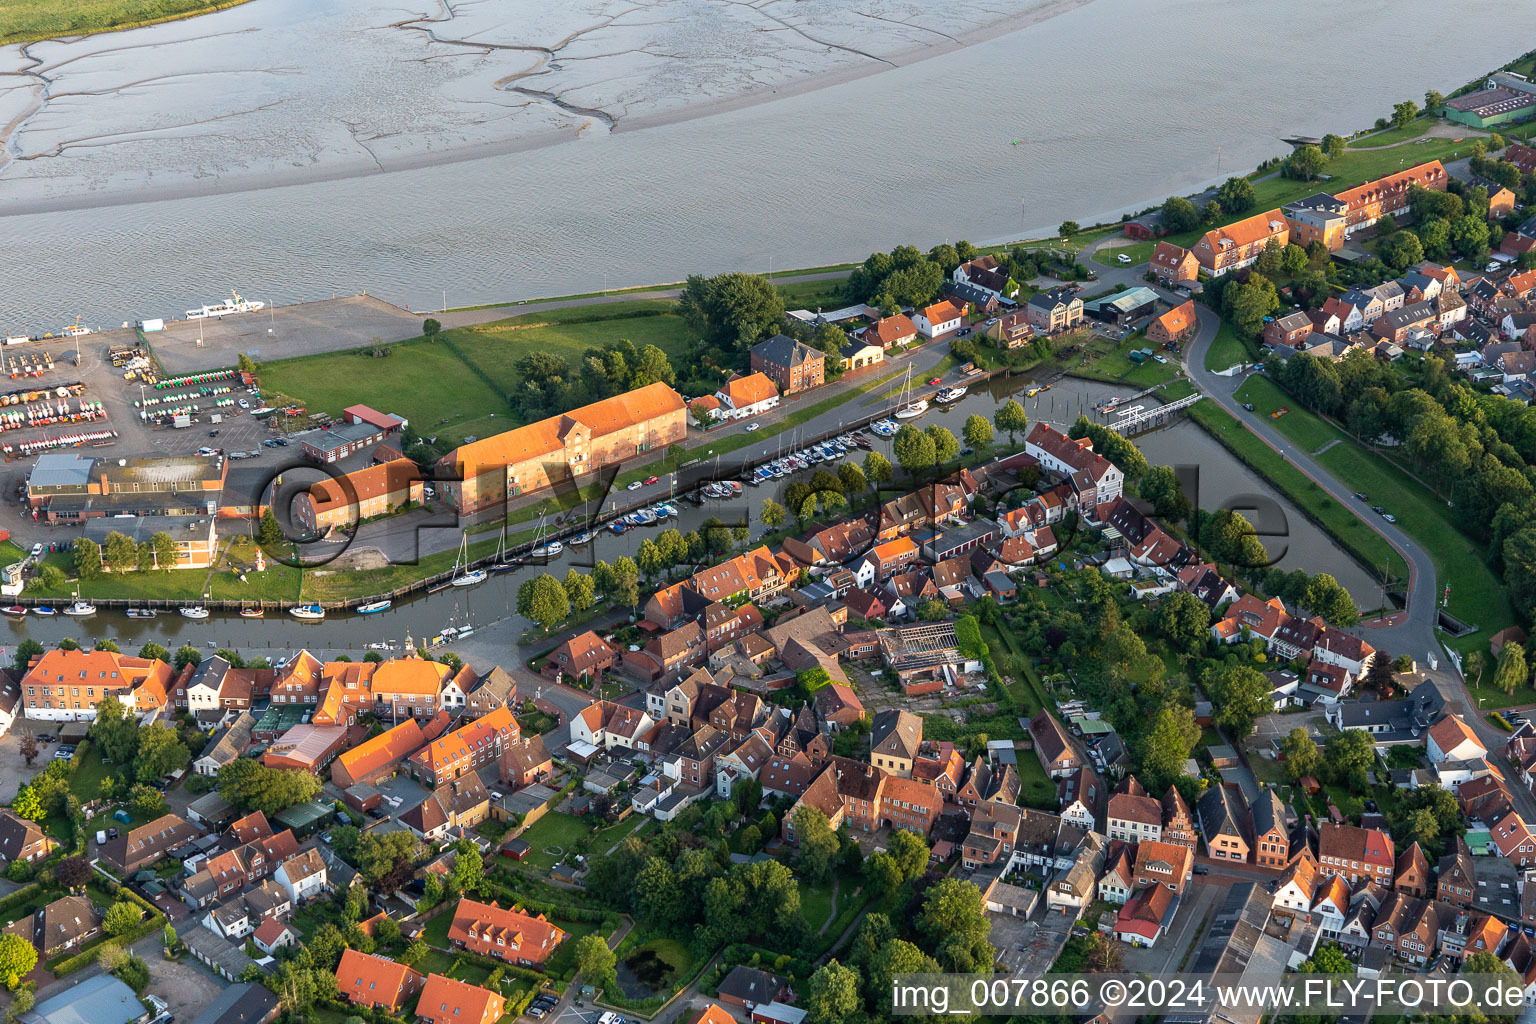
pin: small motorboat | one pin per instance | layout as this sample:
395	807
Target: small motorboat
470	578
373	607
662	511
669	510
15	611
953	394
645	517
45	610
141	613
507	566
618	526
194	611
80	609
549	550
307	612
252	613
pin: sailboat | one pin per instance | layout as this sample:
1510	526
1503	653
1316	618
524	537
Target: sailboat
543	548
463	575
909	410
504	563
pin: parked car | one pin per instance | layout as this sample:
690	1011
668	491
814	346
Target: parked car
936	380
754	426
1123	258
634	486
1361	496
1389	517
213	433
651	480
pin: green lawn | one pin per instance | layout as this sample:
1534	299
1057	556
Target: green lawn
816	903
568	333
1353	168
559	830
1116	365
1227	349
1392	136
1354	534
1477	595
85	783
1139	252
812	294
26	20
1309	432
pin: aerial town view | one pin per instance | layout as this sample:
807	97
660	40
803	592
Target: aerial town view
520	512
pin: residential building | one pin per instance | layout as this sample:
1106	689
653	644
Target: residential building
1095	479
1239	244
140	847
582	658
446	1001
66	685
894	741
1133	815
303	877
1368	203
938	319
1173	326
22	840
504	933
339	502
1356	853
1451	739
1173	266
792	365
466	749
1224	823
368	980
890	331
744	397
1054	310
1053	746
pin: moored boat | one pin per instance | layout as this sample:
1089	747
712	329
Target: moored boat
913	411
373	607
252	613
948	395
194	611
549	550
141	613
582	539
470	578
45	610
15	611
307	612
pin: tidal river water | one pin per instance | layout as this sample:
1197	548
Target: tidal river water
476	153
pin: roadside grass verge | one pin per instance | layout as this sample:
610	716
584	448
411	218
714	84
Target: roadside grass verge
1139	252
1308	431
1227	349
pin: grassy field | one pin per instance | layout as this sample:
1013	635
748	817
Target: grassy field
1116	365
1357	537
1477	595
1139	252
816	903
1309	432
559	831
1227	349
1392	136
26	20
411	382
1354	167
567	333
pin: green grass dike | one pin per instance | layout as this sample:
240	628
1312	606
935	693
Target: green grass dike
26	21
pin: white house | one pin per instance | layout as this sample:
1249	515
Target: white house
229	920
1294	893
1115	886
204	686
302	876
1451	739
451	695
1331	904
742	398
939	318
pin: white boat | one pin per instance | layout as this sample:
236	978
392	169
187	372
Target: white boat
252	613
374	606
549	550
662	511
463	575
884	428
76	330
669	509
219	309
307	612
913	411
80	608
953	394
582	539
645	517
141	613
194	611
44	610
470	578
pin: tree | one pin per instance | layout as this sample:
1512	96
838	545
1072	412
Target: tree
25	652
17	958
595	960
430	328
1403	113
29	748
543	599
1300	753
1011	417
73	872
852	478
1327	598
252	786
832	994
1304	164
773	514
122	917
146	800
1432	101
579	590
648	557
388	857
1184	619
1228	537
186	655
1328	959
732	311
1247	304
468	868
1511	670
1161	486
161	752
953	926
1068	228
945	447
909	852
1168	744
1271	258
109	646
1469	236
162	549
1239	695
269	533
1333	146
1293	259
154	652
882	873
1180	215
28	805
977	431
115	731
933	609
913	449
120	554
87	559
1236	195
1349	756
818	843
877	468
1401	250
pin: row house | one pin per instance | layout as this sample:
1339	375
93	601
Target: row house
668	654
504	933
1239	244
1387	196
466	749
66	685
692	763
1095	478
1356	852
1133	815
224	874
